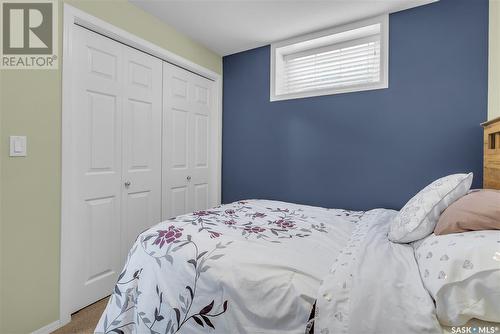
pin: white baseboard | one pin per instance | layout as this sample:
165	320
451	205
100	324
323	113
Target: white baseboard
49	328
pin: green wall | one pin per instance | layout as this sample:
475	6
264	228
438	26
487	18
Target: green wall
30	104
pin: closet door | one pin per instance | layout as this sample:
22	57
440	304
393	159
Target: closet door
97	168
141	166
116	168
187	141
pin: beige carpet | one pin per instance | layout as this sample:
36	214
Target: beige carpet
85	320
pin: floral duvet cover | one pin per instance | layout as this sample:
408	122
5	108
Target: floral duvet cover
247	267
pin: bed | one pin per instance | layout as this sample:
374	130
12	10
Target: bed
256	267
262	267
246	267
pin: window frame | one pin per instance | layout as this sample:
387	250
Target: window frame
383	20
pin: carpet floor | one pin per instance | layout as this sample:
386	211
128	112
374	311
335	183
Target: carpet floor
85	320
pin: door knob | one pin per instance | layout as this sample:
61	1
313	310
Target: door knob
188	178
127	184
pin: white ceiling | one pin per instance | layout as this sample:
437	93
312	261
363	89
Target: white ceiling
230	26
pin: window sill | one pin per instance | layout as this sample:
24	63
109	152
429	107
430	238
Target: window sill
328	91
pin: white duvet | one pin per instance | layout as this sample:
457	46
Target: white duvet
374	286
247	267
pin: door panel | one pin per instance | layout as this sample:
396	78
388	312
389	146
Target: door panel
188	113
201	140
102	109
103	63
179	138
96	136
201	196
141	136
141	203
176	141
202	95
179	198
137	215
99	213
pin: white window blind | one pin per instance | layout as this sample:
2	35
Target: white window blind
340	67
346	59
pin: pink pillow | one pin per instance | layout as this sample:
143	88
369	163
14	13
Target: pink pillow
478	210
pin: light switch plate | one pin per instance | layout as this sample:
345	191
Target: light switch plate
17	146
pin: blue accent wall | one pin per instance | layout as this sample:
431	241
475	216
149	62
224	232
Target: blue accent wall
366	149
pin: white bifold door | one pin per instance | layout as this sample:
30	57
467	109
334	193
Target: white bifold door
144	145
189	142
116	160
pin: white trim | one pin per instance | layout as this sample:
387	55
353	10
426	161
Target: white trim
72	17
48	328
218	168
384	65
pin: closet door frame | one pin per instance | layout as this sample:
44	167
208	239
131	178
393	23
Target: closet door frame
72	18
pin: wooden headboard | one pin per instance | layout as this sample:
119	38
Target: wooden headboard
491	178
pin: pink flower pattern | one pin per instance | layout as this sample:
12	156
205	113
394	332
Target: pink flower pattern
272	224
203	213
214	235
254	229
168	236
258	215
284	224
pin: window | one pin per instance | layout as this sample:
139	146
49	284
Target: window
344	59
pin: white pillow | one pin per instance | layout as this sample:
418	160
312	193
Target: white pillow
462	273
418	218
